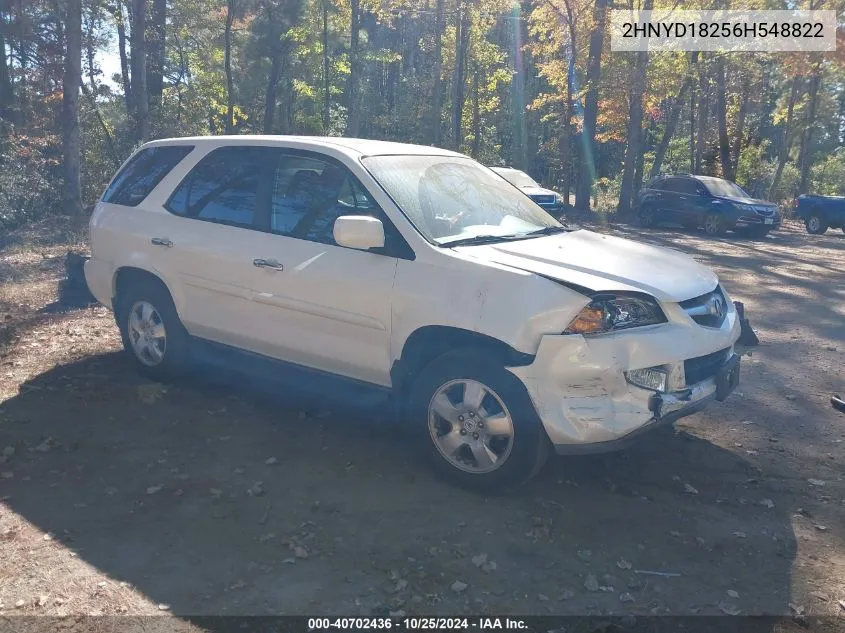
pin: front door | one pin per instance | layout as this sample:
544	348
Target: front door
316	303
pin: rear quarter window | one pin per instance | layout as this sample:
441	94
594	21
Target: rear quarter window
143	172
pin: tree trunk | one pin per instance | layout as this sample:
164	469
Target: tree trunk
703	117
566	141
591	103
22	109
458	88
476	117
326	76
353	126
738	136
227	62
566	144
438	72
786	139
671	123
7	97
807	133
692	127
633	148
106	133
722	120
272	85
124	59
71	141
139	70
155	69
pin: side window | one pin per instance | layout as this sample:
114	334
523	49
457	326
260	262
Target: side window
683	185
224	187
309	194
141	174
689	185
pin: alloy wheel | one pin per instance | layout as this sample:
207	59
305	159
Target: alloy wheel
147	334
470	426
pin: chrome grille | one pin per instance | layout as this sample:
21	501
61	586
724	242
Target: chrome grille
709	309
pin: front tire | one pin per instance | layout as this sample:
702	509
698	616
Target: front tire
714	224
475	423
816	224
153	337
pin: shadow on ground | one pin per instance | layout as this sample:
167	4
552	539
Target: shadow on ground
214	500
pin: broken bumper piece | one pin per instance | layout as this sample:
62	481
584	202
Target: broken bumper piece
579	388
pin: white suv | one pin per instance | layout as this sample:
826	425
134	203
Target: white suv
413	271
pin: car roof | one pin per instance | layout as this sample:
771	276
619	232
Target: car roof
352	146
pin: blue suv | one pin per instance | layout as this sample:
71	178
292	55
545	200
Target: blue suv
714	203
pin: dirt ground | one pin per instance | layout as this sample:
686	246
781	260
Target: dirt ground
121	496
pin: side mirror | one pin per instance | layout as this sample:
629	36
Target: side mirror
358	231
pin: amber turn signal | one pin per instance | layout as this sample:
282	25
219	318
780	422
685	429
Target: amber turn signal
590	319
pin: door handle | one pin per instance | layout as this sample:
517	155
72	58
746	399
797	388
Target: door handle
272	264
161	241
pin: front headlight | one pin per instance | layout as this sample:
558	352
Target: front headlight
609	312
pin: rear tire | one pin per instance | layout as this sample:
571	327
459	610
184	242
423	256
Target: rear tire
475	424
153	337
714	224
816	224
647	216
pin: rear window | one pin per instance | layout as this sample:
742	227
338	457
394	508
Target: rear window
143	172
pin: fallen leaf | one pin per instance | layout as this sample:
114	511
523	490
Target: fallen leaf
767	503
623	564
153	489
728	608
690	489
816	482
733	594
458	586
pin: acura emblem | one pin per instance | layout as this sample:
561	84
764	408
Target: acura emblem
719	308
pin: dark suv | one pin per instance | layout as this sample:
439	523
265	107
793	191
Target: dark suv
714	203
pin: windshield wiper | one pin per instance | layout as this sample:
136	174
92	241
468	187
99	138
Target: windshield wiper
482	239
492	239
550	230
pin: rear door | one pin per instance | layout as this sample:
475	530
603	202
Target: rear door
215	215
678	199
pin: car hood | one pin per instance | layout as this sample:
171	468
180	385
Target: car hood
600	262
741	200
536	191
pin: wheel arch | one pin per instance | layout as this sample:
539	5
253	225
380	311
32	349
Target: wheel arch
426	343
125	276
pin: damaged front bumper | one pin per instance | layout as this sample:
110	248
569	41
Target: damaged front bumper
579	388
